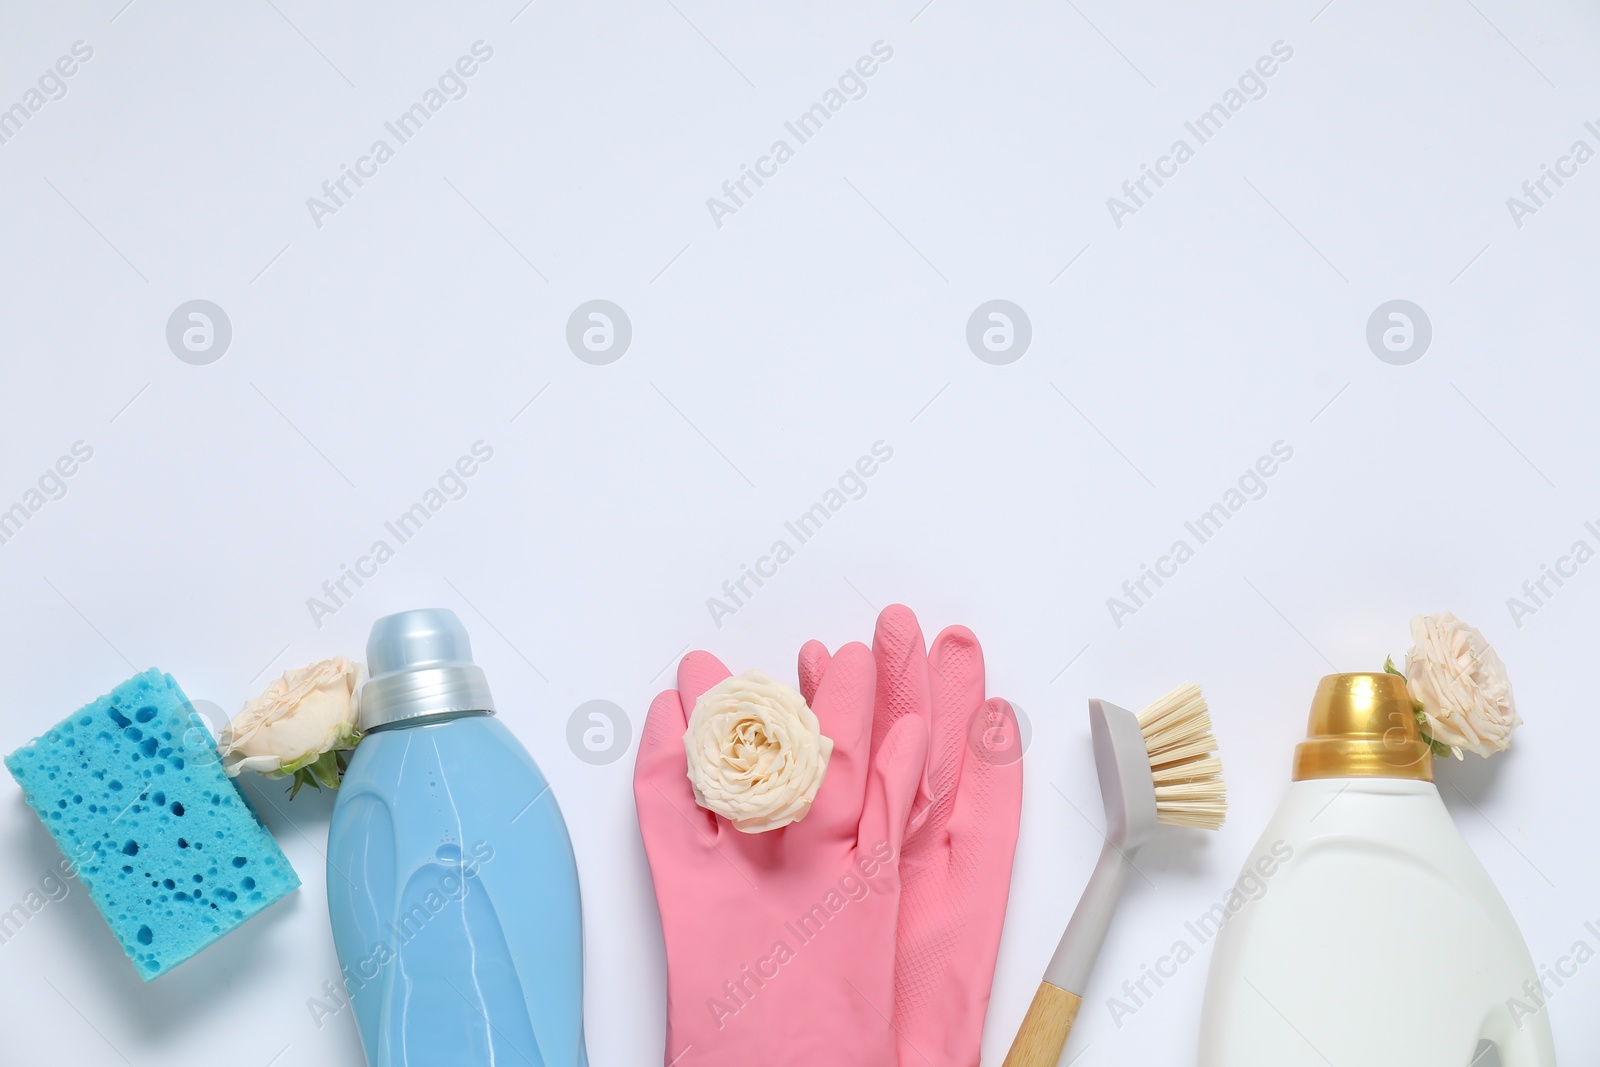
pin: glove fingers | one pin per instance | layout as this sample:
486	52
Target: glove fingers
897	769
956	678
988	803
902	670
814	659
697	672
843	705
661	790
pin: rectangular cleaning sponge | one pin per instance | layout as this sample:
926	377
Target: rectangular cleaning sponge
132	790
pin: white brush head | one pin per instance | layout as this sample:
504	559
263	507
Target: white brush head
1183	763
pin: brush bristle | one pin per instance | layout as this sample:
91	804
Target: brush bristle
1183	761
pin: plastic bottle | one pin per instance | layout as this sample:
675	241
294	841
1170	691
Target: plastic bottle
1367	932
452	887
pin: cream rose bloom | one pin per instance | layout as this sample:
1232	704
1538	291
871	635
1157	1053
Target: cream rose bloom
756	753
296	726
1461	684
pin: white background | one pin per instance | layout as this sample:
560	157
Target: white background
827	314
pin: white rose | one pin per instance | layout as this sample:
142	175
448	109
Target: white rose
297	725
1461	684
756	753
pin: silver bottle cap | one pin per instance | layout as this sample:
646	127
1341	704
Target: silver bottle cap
420	663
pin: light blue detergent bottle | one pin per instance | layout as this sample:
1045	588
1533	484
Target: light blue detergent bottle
451	881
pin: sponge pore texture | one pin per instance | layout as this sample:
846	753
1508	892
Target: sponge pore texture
132	790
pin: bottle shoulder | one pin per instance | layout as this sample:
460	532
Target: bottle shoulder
451	762
1347	849
1384	809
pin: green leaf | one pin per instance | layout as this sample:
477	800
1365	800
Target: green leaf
321	772
326	770
1390	668
1439	748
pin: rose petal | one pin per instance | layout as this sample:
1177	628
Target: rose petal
300	715
1461	683
756	755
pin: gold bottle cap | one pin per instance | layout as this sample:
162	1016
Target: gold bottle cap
1363	726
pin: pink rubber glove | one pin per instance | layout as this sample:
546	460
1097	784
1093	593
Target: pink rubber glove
780	945
956	866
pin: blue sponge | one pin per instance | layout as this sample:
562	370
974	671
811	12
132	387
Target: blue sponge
133	792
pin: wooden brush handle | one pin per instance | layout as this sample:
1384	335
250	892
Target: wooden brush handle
1044	1029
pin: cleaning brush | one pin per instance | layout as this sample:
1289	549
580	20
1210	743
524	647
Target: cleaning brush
1159	766
1183	762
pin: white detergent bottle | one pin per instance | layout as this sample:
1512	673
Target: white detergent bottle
1378	940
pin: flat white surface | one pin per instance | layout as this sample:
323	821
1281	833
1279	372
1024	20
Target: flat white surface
828	313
